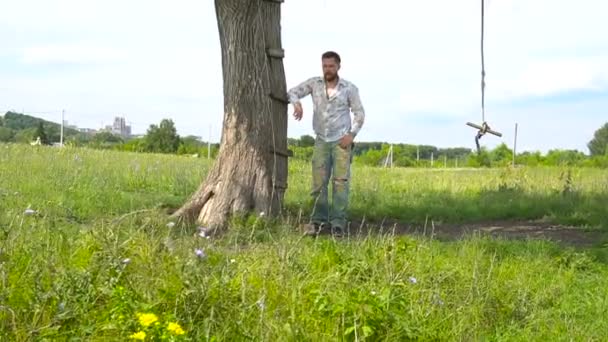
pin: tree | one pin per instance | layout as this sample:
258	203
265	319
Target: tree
81	139
530	158
162	138
250	171
20	122
6	134
482	158
564	157
307	141
501	155
25	136
372	157
41	134
134	145
191	145
105	140
599	144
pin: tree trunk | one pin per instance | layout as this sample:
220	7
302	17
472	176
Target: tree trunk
250	172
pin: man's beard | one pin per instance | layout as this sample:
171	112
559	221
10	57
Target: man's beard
330	77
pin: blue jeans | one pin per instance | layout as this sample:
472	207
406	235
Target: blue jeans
329	158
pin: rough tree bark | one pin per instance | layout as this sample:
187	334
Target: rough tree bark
250	171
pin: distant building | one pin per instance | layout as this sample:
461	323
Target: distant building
119	127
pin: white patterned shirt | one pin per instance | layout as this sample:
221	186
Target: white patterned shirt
331	113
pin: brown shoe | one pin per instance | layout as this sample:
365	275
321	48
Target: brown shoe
312	229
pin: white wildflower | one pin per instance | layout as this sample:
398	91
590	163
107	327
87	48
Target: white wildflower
437	299
413	280
199	253
171	224
261	304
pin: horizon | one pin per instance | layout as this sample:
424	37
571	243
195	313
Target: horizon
166	64
201	139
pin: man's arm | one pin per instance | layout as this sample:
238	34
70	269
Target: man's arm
303	89
296	93
358	111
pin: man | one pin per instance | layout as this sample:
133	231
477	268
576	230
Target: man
333	99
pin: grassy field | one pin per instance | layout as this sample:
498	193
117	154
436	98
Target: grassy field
86	248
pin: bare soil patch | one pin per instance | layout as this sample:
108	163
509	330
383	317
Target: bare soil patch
567	235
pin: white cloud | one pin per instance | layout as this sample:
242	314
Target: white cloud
548	77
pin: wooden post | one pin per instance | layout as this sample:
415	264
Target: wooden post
515	145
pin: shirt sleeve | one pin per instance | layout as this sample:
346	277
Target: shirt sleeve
357	108
303	89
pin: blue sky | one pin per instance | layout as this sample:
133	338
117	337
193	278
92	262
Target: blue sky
417	65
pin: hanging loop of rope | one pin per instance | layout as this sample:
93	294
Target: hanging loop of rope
483	67
484	127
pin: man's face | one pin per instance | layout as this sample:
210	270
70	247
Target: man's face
330	69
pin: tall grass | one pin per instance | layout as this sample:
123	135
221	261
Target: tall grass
562	195
96	249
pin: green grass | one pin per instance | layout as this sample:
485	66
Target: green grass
561	195
64	273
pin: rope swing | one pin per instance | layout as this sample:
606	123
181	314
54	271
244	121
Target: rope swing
484	127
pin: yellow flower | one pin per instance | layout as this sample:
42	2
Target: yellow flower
146	319
138	336
175	329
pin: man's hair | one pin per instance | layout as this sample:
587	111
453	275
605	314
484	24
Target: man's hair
331	54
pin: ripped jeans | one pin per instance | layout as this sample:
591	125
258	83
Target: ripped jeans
330	159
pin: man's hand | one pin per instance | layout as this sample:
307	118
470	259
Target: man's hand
298	111
346	140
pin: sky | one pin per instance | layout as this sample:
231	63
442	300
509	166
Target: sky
417	65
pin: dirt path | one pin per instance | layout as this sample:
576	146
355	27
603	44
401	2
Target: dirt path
567	235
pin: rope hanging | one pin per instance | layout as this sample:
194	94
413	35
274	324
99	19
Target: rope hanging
484	127
483	67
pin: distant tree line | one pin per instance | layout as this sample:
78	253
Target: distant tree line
163	138
408	155
15	127
501	155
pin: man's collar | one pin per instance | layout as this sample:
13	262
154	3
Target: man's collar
341	82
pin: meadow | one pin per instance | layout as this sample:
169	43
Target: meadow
87	252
